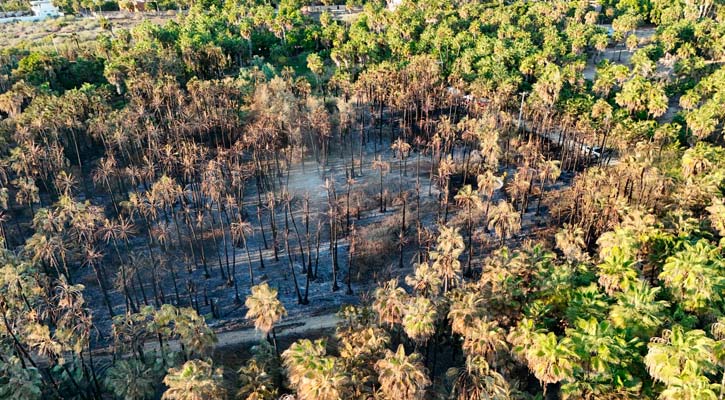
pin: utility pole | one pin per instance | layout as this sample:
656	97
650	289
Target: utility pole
521	108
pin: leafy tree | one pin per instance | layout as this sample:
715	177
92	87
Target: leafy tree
420	318
402	376
695	276
18	381
264	307
195	379
680	359
130	380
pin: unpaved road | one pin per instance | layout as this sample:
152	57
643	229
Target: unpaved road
285	328
243	336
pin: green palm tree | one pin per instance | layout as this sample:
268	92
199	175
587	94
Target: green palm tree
195	380
690	387
264	308
522	337
621	241
679	354
637	309
325	381
390	302
551	360
358	344
696	276
464	311
301	358
587	301
445	256
616	272
255	383
420	318
401	376
19	382
194	334
604	357
130	380
718	332
425	281
484	338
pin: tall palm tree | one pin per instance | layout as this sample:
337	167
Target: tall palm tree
92	257
468	199
487	184
518	188
446	168
111	232
28	193
195	380
505	221
449	247
548	172
402	376
383	167
264	307
240	230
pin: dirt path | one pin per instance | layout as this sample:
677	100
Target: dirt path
286	328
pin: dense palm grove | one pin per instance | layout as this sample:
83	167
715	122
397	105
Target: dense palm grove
518	200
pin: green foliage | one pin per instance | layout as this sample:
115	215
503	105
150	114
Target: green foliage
19	382
194	380
130	380
695	276
45	68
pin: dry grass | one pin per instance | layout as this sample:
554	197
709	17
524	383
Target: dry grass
64	30
376	247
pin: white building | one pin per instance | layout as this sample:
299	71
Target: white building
42	9
393	4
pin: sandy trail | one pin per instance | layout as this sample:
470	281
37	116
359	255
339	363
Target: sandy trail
286	328
241	336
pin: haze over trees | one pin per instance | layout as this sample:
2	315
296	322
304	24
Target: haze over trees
448	200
